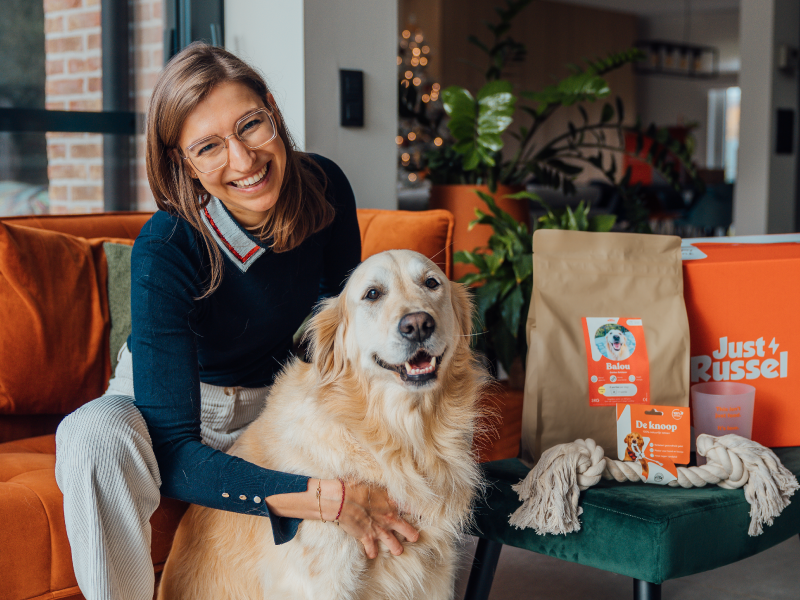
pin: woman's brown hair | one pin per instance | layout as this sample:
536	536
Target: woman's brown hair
186	80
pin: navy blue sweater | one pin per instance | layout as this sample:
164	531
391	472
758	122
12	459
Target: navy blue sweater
241	335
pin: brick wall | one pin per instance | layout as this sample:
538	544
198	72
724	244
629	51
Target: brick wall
74	82
148	61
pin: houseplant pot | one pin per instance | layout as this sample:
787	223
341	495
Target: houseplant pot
461	200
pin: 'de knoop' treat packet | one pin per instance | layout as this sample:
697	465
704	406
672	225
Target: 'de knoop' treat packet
607	325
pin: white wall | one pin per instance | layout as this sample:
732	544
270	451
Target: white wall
666	100
362	35
300	45
764	200
268	34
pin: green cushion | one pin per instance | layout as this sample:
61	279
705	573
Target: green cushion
644	531
118	257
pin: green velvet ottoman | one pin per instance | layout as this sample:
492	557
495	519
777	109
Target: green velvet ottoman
648	532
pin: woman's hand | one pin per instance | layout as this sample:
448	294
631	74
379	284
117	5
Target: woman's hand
368	514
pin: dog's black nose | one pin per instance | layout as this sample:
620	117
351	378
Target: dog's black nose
418	326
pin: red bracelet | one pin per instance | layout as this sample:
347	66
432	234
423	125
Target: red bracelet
341	506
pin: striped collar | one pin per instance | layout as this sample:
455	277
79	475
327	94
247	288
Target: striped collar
229	235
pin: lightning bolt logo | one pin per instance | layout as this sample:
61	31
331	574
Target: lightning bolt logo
773	346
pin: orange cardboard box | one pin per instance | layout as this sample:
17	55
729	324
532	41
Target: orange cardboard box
742	302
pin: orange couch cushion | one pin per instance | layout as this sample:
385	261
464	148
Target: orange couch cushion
36	559
428	232
54	309
111	224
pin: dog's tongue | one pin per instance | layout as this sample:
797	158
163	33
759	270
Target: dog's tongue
420	361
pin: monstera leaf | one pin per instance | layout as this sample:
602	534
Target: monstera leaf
478	122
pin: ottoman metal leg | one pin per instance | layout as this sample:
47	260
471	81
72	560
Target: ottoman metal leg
483	567
644	590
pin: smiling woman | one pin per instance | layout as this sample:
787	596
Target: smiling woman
244	169
204	92
250	236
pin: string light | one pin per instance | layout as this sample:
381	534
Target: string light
423	61
399	60
438	141
409	74
399	139
406	34
406	157
418	38
426	98
415	52
412	177
415	61
426	49
404	83
436	87
417	81
411	136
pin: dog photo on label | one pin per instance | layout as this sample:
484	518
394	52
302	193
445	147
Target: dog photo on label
390	398
617	345
635	452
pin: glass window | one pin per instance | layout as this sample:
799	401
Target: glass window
723	130
76	79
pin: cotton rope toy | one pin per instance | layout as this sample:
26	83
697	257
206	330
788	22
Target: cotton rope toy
551	490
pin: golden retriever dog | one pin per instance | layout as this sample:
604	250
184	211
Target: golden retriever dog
390	398
617	345
635	452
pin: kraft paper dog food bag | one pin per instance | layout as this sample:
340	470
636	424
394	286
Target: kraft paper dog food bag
623	284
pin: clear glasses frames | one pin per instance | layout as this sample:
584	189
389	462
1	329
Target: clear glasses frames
254	130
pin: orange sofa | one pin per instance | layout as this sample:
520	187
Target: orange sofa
55	356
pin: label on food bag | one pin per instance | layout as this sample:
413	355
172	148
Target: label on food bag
618	367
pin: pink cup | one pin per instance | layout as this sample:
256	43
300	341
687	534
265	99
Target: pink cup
722	407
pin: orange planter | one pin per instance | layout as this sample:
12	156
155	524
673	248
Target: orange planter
461	200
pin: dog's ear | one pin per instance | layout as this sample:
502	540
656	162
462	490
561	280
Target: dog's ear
463	308
628	438
325	335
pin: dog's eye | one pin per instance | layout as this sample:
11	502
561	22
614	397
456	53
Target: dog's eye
431	283
372	294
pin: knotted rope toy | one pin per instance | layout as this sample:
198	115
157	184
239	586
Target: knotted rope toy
551	490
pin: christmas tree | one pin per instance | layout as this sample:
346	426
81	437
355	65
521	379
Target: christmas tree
421	112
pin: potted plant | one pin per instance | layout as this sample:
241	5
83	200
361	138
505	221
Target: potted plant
472	156
504	276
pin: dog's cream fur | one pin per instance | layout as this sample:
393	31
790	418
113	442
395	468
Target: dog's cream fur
623	352
345	416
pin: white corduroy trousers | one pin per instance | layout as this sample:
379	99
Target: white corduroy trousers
106	469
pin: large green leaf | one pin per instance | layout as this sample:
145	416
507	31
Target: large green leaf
486	296
504	344
476	123
511	309
457	101
580	87
471	258
523	267
602	222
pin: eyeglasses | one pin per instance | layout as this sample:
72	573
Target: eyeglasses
254	130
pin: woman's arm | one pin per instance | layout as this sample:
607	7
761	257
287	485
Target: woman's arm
367	512
165	281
